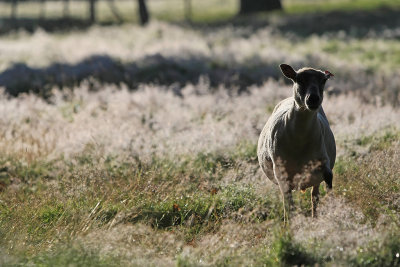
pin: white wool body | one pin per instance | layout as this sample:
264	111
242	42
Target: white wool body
296	148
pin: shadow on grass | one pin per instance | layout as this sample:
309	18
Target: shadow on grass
174	73
238	204
154	69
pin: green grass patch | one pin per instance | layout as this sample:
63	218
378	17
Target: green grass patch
285	251
370	181
310	6
204	211
374	54
380	253
379	141
49	214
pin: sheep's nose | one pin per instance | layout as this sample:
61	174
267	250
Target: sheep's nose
313	101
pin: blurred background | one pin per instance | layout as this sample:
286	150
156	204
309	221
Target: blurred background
208	11
358	38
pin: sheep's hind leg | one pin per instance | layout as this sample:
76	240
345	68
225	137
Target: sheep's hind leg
314	200
328	177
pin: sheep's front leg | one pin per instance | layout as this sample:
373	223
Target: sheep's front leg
314	199
286	192
287	200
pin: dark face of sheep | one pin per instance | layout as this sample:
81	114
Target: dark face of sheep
308	85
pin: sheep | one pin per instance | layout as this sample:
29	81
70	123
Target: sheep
296	148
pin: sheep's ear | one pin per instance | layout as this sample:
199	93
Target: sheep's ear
288	71
328	74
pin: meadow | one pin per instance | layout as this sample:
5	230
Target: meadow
123	145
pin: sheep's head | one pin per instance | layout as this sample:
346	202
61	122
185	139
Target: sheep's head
308	85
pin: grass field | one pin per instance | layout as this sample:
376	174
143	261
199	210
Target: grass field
130	146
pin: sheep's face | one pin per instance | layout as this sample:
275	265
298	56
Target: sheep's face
308	86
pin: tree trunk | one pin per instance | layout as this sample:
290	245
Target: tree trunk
252	6
143	13
92	10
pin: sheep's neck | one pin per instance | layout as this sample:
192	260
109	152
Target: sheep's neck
302	121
